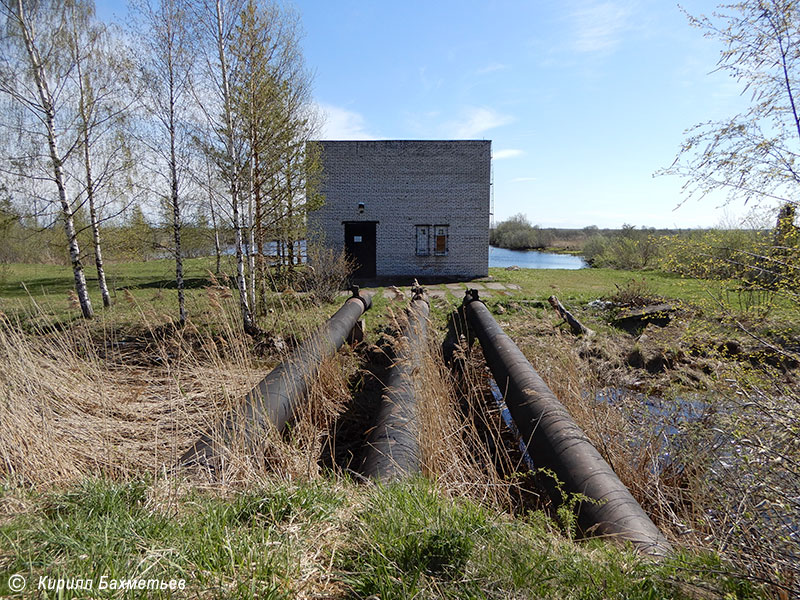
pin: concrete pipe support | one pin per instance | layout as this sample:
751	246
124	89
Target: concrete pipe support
393	443
273	401
554	441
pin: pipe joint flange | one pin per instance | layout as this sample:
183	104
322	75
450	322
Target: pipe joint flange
471	295
366	299
418	293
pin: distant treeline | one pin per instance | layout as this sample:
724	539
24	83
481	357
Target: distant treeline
517	233
134	238
766	254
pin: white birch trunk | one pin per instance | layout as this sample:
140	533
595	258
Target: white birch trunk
46	100
98	254
90	187
247	316
217	249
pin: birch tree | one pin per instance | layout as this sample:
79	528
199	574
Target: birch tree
754	156
166	64
100	80
217	20
254	105
35	69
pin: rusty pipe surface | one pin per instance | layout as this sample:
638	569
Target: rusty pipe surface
273	401
393	443
554	441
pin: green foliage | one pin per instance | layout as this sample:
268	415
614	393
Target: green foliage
759	270
630	248
134	240
518	234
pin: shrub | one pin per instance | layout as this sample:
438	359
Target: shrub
630	248
327	272
518	234
634	293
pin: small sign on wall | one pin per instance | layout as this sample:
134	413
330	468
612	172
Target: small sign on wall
423	234
356	238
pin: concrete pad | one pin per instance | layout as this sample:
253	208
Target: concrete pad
437	293
392	295
475	286
454	286
493	285
513	286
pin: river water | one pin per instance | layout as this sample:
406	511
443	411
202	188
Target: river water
534	259
498	257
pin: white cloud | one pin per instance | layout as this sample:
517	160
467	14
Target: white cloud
508	153
599	26
342	124
476	120
492	68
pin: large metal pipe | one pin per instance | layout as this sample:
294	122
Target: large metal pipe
393	443
554	441
273	401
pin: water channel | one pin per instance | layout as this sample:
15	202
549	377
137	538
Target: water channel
534	259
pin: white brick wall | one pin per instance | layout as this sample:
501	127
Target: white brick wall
407	183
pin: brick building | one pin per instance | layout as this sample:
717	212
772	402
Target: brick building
407	208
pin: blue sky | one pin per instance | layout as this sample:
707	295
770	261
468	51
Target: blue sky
583	100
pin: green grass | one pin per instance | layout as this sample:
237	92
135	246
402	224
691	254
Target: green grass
26	290
152	284
328	537
246	546
411	543
583	285
49	280
144	294
769	314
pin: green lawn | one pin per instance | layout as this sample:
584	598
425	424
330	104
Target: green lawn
583	285
150	287
143	278
50	280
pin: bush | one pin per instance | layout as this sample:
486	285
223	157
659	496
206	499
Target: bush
629	249
327	272
518	234
635	293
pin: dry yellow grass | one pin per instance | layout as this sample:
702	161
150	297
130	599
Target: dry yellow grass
73	405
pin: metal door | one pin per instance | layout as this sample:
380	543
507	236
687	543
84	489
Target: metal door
359	243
